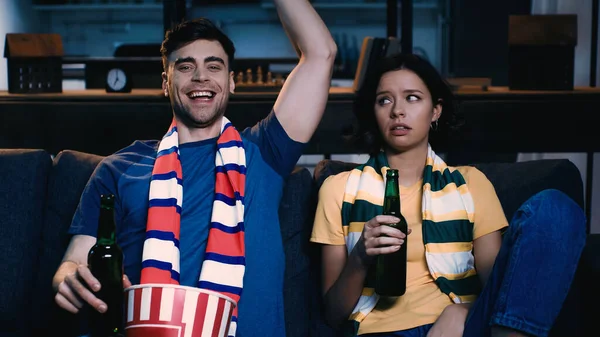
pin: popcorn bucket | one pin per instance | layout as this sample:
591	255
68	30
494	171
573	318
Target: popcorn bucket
170	310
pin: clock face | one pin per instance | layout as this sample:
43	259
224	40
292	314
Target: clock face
116	79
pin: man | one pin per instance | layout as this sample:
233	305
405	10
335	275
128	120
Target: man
199	146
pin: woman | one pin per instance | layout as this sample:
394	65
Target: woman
469	273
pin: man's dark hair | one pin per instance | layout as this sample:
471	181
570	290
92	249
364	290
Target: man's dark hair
192	30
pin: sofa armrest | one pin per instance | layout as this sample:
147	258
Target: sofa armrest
70	172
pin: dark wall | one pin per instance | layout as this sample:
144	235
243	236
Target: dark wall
479	38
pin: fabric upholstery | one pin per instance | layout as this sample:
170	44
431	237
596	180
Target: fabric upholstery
23	181
70	173
295	216
516	182
580	309
38	198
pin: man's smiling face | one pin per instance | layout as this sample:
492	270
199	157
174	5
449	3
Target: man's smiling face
199	82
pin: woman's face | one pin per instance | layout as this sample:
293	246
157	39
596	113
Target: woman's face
404	110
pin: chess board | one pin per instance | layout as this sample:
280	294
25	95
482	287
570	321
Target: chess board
257	81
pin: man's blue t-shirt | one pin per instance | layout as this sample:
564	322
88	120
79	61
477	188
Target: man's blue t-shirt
270	157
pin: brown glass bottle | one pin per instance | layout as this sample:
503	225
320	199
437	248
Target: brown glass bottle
105	260
391	268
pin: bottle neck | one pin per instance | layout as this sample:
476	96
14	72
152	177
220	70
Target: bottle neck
392	189
391	201
106	227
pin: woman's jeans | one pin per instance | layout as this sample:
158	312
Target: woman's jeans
533	270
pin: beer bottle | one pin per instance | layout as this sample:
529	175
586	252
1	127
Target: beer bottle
391	268
105	260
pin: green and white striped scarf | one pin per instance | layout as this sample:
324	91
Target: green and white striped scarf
447	209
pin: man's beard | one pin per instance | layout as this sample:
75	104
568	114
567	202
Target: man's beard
191	121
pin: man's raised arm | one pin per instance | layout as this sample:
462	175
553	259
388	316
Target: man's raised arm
301	102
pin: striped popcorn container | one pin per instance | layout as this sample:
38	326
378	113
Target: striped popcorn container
170	310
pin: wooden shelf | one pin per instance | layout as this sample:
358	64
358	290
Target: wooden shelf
147	95
356	5
498	120
335	93
97	7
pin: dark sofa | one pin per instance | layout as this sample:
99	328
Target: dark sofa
38	197
39	194
514	184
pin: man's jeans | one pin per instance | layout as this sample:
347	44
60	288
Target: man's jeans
533	270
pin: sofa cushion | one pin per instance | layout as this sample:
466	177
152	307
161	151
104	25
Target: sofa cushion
329	167
296	212
590	274
514	182
23	181
70	173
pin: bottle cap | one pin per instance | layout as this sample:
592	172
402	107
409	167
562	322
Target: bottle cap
392	173
107	200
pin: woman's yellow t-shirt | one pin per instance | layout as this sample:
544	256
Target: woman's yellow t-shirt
423	301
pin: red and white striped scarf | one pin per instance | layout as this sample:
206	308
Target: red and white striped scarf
224	262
